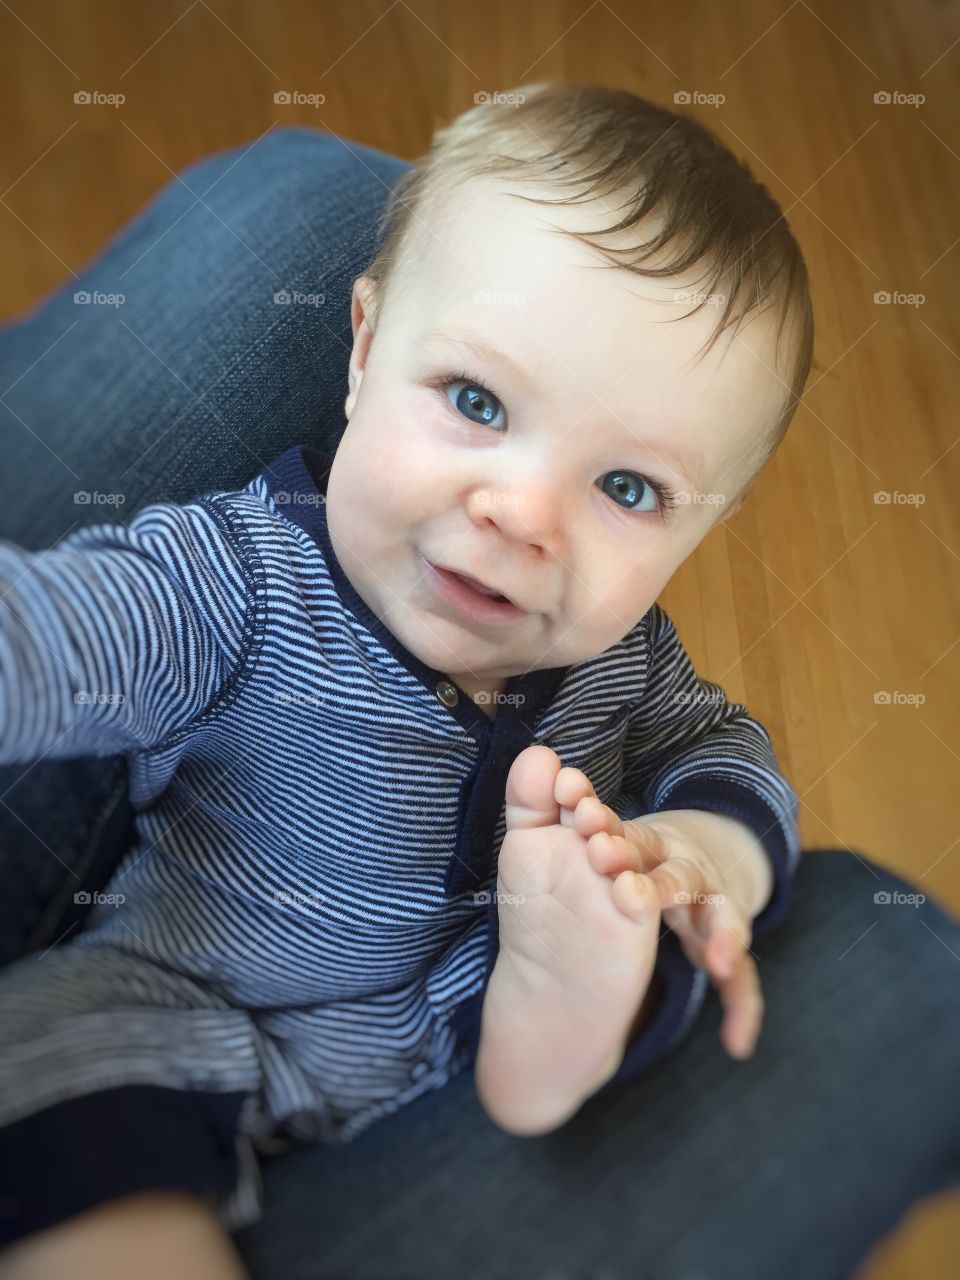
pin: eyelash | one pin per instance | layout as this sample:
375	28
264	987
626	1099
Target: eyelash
666	496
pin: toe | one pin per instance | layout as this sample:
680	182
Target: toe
609	854
636	897
531	783
571	786
591	816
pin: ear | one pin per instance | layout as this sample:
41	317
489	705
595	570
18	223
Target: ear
361	313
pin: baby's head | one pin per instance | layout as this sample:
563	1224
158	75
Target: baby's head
624	323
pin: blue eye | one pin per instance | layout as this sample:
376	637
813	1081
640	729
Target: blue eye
474	399
477	403
627	484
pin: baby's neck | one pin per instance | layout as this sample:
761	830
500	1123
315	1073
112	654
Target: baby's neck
483	693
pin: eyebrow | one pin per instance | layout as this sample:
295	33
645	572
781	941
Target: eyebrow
686	463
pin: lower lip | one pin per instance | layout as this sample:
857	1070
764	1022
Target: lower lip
474	604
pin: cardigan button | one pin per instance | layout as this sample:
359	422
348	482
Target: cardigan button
447	693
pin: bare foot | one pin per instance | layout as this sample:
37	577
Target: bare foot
578	942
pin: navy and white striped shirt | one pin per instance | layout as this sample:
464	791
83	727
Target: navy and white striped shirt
308	910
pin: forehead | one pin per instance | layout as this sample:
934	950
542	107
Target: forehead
605	344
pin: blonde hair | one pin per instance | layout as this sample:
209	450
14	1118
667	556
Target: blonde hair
710	207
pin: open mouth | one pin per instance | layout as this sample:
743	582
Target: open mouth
469	597
477	586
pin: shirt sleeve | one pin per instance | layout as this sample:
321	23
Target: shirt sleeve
121	634
688	747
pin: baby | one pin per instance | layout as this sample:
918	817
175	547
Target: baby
386	711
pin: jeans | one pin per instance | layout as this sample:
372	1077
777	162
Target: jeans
791	1164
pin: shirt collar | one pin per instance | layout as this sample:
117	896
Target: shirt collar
297	482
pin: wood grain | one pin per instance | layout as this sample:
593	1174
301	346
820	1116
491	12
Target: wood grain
815	598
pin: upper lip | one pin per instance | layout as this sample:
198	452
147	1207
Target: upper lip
487	586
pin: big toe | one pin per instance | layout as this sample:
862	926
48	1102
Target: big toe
531	783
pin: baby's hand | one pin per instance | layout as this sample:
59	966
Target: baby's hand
714	879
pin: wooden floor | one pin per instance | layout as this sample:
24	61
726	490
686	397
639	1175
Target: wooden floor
816	598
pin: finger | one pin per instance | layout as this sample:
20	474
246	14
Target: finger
680	881
648	841
678	920
725	932
742	1001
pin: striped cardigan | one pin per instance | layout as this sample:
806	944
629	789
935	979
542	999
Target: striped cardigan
318	813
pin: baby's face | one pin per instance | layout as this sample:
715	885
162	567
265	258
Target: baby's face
544	486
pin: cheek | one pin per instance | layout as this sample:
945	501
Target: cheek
385	474
620	598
